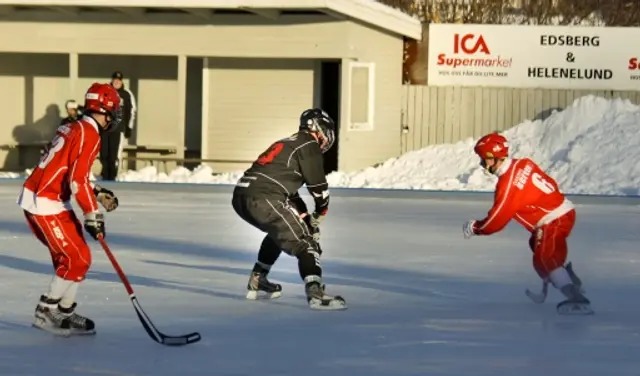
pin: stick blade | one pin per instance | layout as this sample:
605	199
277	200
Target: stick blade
536	298
181	340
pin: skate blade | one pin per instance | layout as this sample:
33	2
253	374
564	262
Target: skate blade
575	309
262	295
335	304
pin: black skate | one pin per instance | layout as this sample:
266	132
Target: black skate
76	321
576	303
49	316
317	298
260	288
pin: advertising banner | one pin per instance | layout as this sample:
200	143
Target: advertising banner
558	57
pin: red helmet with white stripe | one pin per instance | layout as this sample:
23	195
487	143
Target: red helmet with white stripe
103	99
492	145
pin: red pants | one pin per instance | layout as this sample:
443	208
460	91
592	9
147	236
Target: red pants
549	244
62	234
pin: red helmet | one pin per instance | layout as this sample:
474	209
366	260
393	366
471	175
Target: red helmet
492	145
103	99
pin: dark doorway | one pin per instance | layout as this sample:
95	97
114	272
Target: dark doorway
193	113
330	102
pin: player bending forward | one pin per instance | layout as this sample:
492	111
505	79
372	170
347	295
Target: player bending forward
45	199
267	198
529	195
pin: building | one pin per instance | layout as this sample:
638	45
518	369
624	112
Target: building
220	79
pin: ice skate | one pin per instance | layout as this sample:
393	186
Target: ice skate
78	322
574	278
259	287
317	298
575	304
49	316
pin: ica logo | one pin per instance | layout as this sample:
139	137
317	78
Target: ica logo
469	44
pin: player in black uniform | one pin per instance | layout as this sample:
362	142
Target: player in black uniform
266	197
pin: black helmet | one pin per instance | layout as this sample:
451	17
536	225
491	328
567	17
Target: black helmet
318	121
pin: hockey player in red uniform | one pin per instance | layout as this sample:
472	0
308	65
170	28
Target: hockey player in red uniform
527	194
46	200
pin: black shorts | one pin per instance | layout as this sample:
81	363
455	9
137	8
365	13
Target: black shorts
279	219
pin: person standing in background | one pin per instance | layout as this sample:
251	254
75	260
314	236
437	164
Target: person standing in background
73	112
113	142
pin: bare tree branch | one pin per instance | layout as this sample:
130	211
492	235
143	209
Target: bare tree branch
537	12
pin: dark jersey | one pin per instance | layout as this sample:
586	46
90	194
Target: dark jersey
284	168
68	119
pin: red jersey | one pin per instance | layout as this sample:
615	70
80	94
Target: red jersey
63	171
525	193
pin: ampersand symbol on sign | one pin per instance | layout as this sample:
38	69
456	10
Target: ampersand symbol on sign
570	57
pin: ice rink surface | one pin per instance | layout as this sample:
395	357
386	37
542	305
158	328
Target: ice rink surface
422	300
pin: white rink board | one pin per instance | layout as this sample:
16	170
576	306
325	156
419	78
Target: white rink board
555	57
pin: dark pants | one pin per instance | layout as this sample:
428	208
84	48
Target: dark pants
284	231
110	145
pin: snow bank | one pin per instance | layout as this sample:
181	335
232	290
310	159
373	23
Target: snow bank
201	174
592	147
10	175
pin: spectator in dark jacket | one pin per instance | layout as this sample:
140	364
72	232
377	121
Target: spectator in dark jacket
73	112
113	141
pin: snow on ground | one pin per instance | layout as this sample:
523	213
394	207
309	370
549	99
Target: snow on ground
422	300
590	148
11	175
201	174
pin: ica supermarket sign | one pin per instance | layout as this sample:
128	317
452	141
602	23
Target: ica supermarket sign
534	56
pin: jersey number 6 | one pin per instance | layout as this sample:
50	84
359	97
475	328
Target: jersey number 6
542	183
268	156
56	144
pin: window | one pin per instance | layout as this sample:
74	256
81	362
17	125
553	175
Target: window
361	96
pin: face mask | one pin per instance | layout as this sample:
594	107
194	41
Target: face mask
329	139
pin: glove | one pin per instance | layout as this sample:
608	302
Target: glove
94	225
108	200
127	132
316	219
315	231
469	229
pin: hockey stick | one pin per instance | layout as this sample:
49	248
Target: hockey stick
154	333
542	296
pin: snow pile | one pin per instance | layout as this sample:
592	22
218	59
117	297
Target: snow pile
28	171
201	174
10	175
592	147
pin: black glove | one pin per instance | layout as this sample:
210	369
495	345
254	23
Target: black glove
94	225
127	132
108	200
